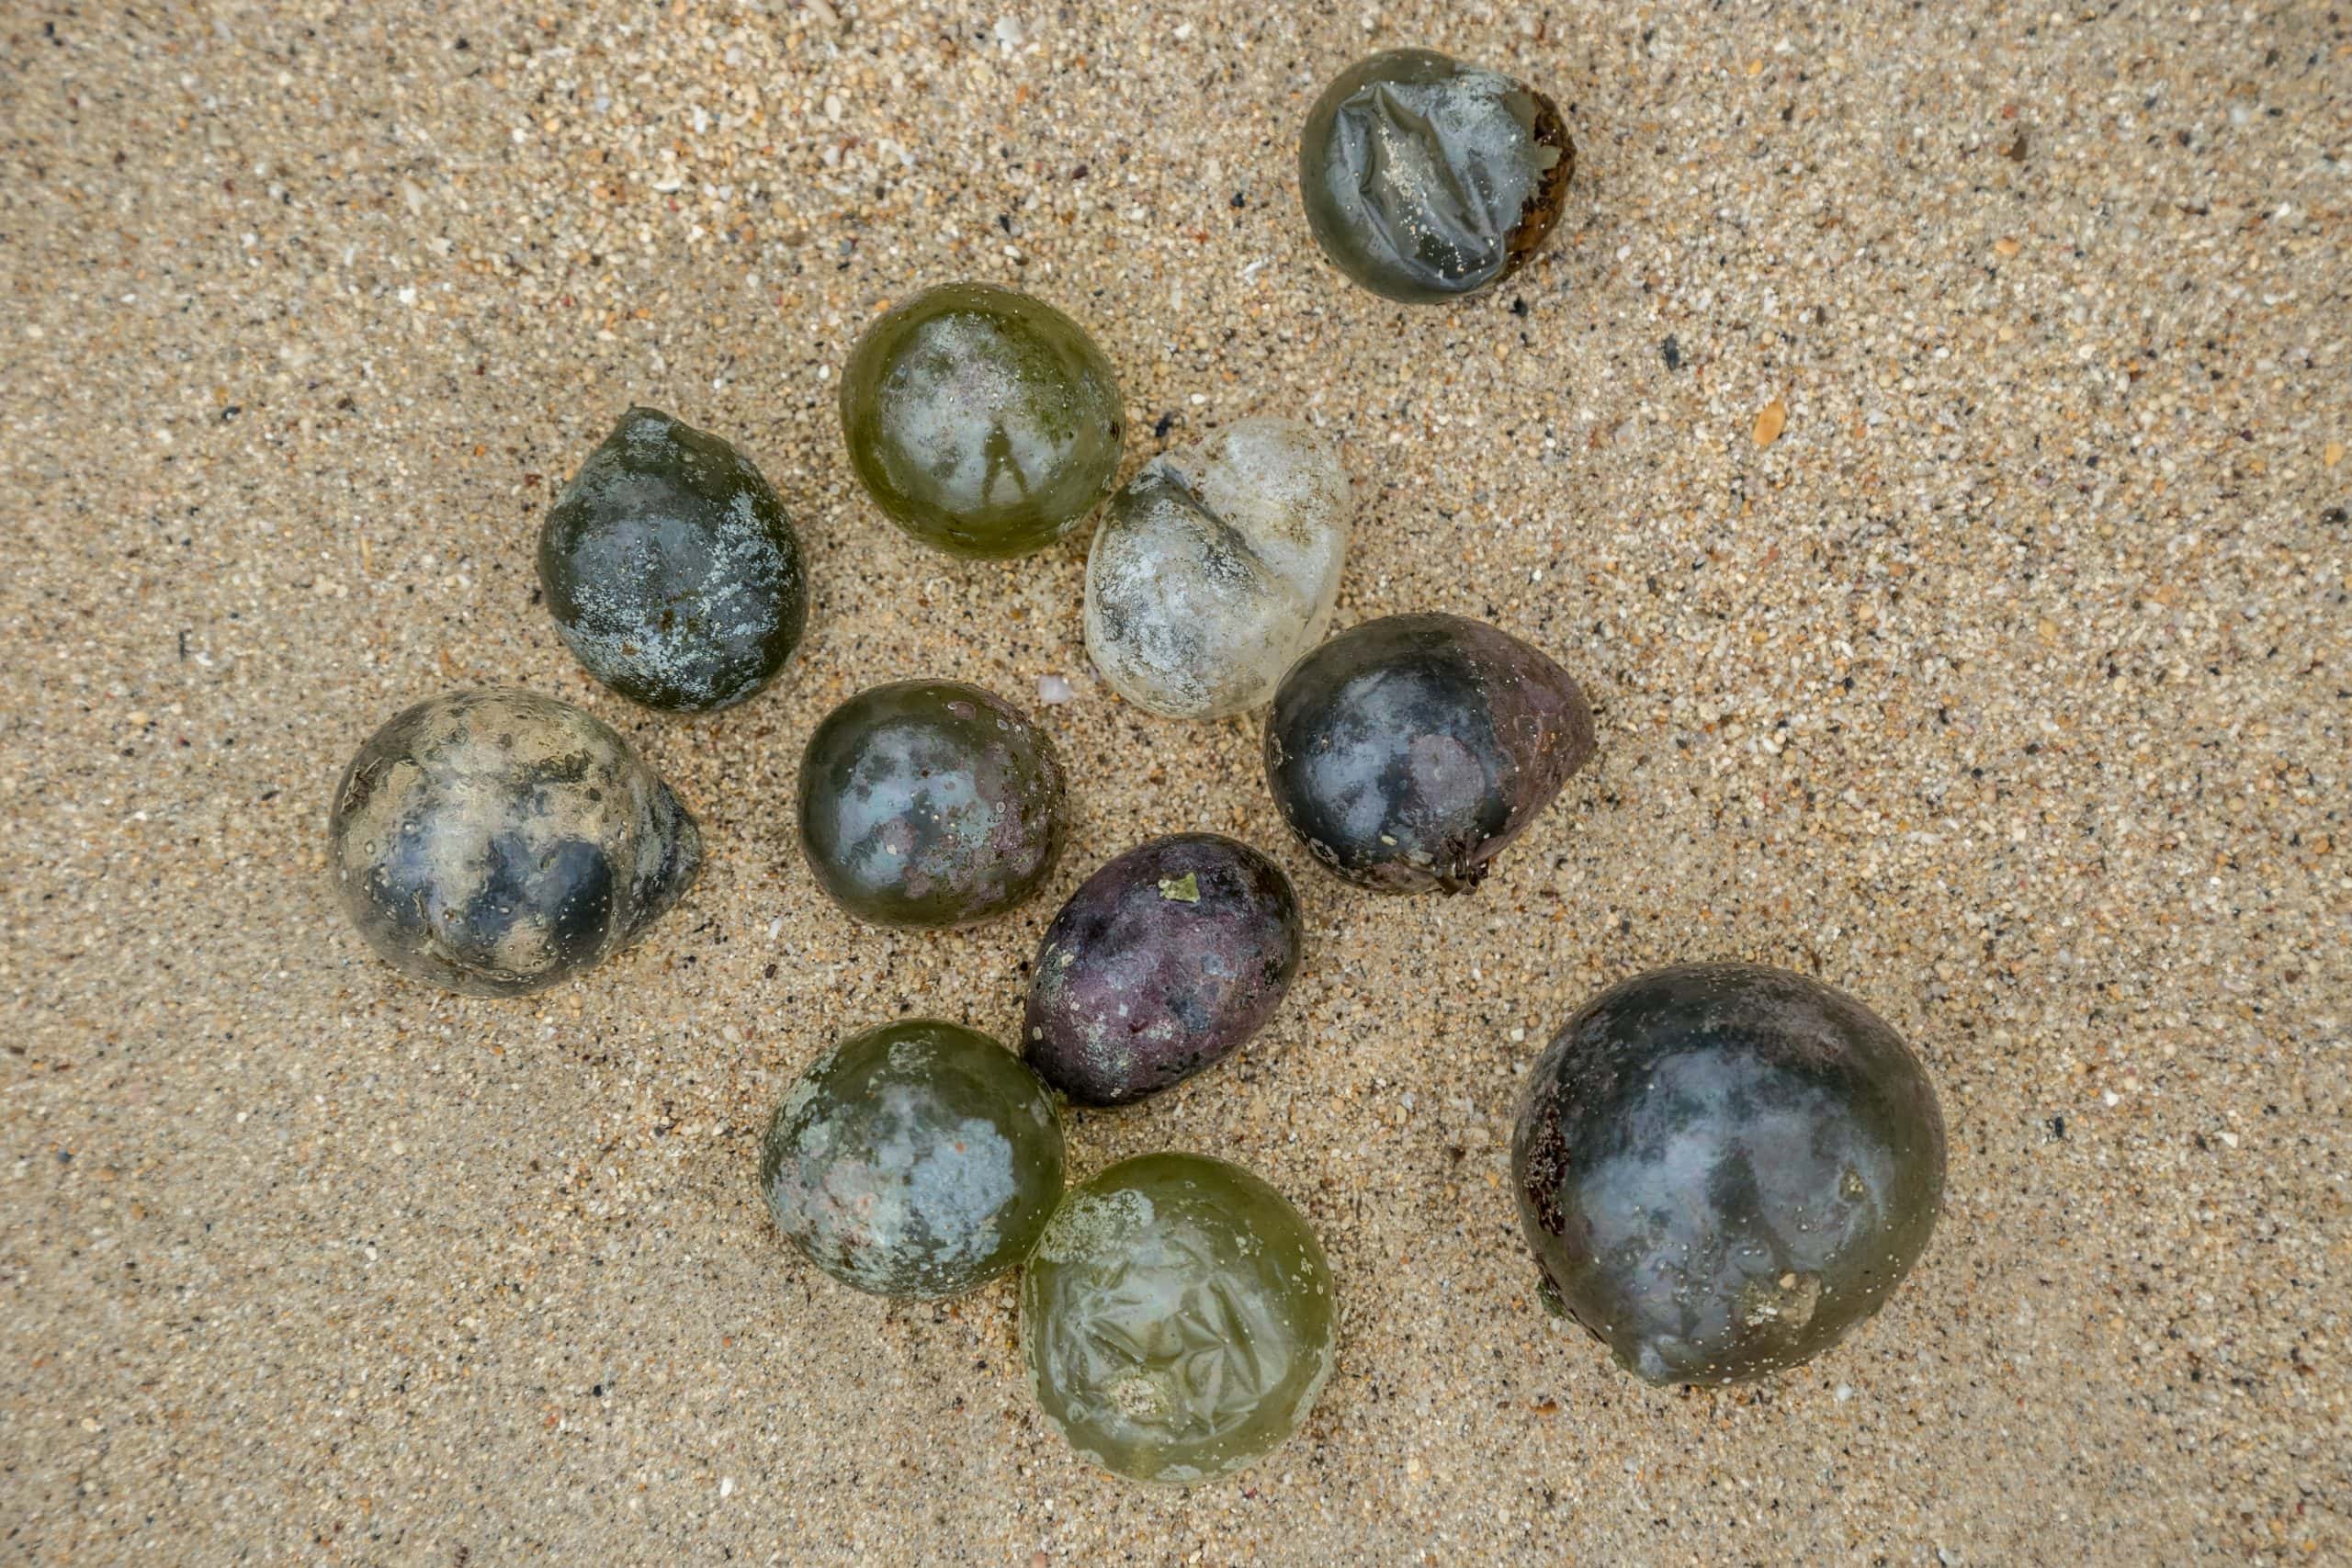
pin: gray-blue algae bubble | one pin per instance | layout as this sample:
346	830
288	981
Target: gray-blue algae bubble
1426	179
917	1159
496	841
1721	1168
670	569
930	804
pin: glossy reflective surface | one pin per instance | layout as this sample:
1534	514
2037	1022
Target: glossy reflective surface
1163	962
984	422
670	569
929	802
1214	568
917	1160
496	841
1406	753
1177	1319
1426	179
1723	1168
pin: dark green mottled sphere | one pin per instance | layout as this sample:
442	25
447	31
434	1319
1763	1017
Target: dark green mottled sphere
1723	1168
1426	179
985	422
496	841
671	569
930	804
917	1160
1177	1319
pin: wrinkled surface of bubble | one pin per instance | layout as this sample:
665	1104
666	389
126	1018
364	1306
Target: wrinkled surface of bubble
983	422
1721	1168
1177	1318
670	569
930	804
1214	568
496	841
917	1160
1426	179
1409	751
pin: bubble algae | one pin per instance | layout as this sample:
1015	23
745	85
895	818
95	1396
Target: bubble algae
1162	963
919	1159
495	841
1409	751
983	422
670	569
1177	1319
1721	1168
930	804
1214	568
1426	179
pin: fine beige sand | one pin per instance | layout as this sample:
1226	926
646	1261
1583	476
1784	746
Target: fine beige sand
1924	436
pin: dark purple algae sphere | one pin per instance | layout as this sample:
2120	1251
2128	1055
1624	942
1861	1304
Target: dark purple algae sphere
1722	1168
1162	963
1406	753
930	804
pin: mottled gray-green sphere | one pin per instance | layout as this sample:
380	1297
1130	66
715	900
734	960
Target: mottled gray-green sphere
1426	179
930	804
1177	1319
920	1158
985	422
670	569
495	841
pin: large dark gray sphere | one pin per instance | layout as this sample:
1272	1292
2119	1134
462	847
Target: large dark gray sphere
1722	1168
1407	751
495	841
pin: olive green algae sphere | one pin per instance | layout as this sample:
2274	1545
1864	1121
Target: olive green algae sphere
670	569
1177	1317
985	422
930	804
919	1159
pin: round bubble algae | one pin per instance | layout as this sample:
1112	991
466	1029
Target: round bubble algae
496	841
1215	567
984	423
1722	1168
670	569
1165	960
919	1159
1407	752
1177	1318
930	804
1426	179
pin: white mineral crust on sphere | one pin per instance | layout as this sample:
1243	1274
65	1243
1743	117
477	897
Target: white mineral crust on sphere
1215	567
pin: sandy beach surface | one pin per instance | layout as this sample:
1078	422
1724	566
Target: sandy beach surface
1924	436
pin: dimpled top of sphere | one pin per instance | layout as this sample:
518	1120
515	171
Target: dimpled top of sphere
1177	1319
495	841
1407	751
917	1160
1163	962
931	804
985	422
1217	566
670	569
1426	179
1723	1168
